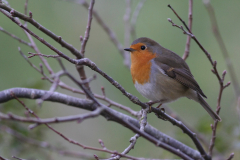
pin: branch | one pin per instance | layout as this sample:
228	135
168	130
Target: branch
185	130
87	32
173	114
25	11
39	54
133	140
1	158
214	126
18	158
79	118
187	47
231	156
107	113
80	68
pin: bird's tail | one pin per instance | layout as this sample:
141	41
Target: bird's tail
208	108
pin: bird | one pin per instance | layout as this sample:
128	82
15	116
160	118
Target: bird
162	76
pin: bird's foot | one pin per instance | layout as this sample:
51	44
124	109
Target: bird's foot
160	106
159	115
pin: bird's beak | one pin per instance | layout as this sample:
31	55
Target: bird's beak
129	49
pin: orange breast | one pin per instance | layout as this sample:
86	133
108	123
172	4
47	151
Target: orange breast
141	66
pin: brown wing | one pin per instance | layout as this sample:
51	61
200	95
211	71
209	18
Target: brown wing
183	76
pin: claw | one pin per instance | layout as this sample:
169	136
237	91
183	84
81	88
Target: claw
150	109
159	105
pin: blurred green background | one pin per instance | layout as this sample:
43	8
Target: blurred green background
68	20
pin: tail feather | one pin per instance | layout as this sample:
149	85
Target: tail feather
208	108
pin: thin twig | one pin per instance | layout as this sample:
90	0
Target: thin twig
15	37
196	40
39	54
80	68
25	7
79	118
133	140
187	47
231	156
52	88
34	46
181	27
18	158
179	18
214	126
39	70
25	10
87	32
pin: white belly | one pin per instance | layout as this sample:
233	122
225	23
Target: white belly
161	88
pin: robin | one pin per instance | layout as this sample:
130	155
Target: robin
162	76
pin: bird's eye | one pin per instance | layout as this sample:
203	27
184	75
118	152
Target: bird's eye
143	47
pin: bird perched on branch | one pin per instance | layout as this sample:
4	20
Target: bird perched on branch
162	76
